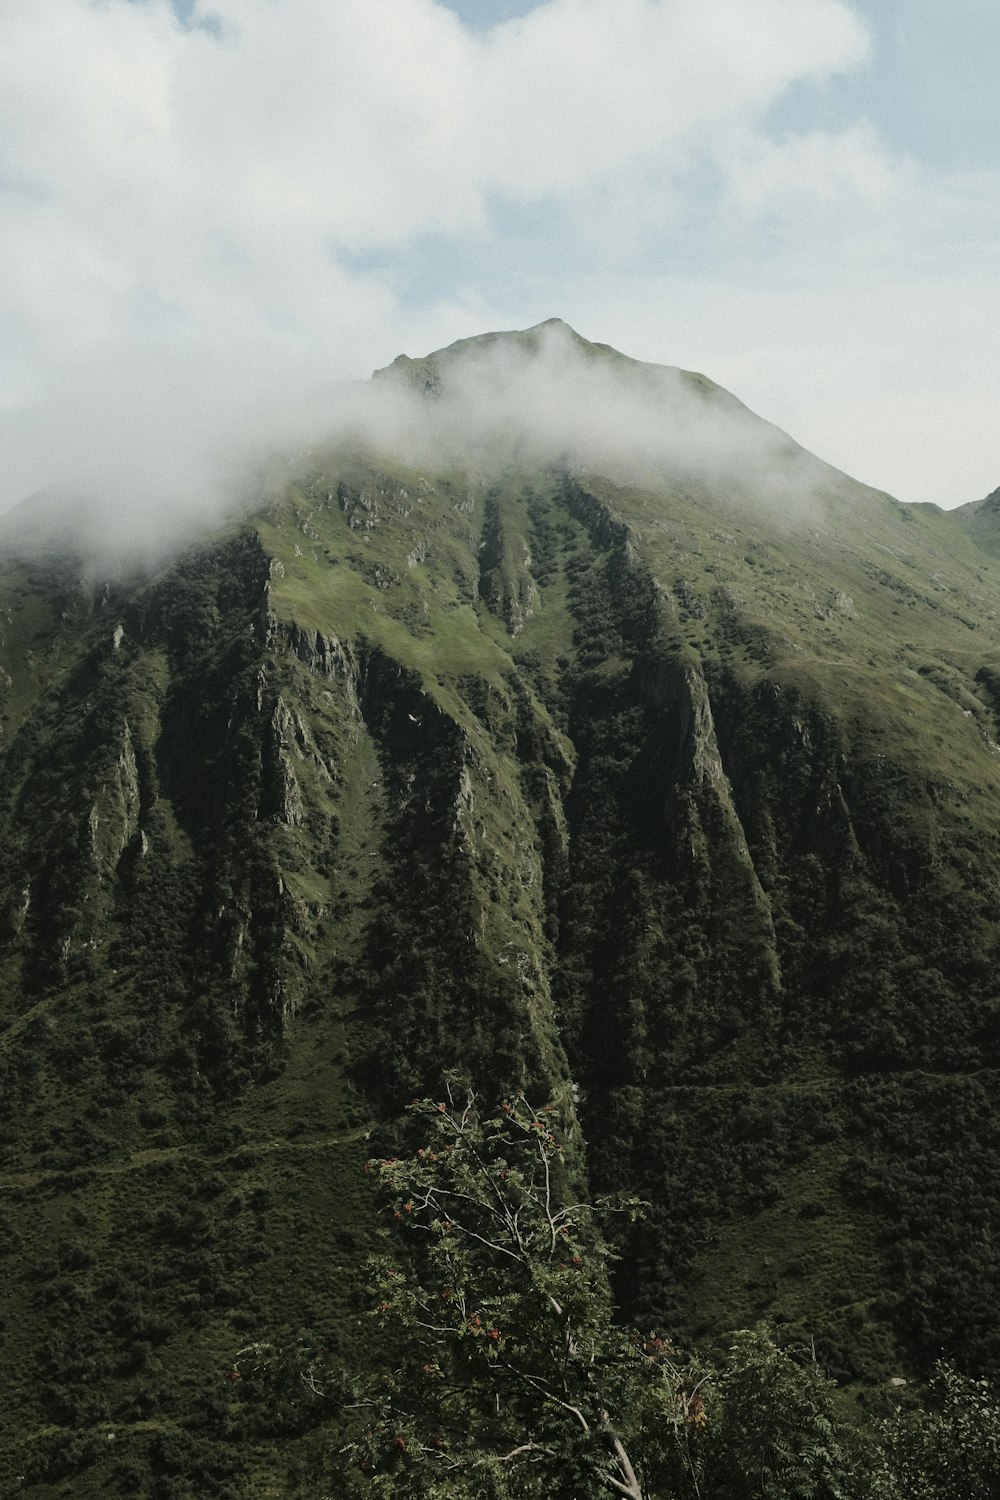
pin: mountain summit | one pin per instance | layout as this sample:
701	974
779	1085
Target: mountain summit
573	731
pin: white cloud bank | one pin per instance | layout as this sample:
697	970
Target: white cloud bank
542	397
545	396
178	202
192	215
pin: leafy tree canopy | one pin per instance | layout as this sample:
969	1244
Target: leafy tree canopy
509	1375
501	1373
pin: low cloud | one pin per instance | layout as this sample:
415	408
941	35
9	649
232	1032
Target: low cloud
549	398
195	216
544	398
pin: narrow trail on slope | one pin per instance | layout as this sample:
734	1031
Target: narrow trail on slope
154	1156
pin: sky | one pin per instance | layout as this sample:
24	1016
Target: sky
210	210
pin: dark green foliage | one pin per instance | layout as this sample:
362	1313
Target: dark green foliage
511	1377
567	784
947	1450
942	1200
776	1433
500	1371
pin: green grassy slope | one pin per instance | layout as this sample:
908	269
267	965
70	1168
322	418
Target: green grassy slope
686	801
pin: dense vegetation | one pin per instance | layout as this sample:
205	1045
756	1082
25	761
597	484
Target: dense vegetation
502	1371
644	799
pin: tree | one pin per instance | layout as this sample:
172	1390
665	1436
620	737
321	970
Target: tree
509	1376
774	1431
501	1374
949	1450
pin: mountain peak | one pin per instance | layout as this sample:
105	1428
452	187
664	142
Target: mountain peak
424	373
592	741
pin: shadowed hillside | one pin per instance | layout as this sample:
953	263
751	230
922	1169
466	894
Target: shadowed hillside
672	788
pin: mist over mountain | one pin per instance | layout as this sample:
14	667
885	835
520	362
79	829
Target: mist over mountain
527	712
164	467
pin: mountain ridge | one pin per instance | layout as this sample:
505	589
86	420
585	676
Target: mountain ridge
646	793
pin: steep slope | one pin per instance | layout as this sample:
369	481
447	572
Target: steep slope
980	520
679	788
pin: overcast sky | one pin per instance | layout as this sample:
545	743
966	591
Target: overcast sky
209	208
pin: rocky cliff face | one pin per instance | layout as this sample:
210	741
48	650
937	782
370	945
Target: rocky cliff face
625	793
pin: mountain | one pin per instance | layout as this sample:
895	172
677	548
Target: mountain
981	520
603	744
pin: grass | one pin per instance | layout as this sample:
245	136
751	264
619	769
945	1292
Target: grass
532	818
